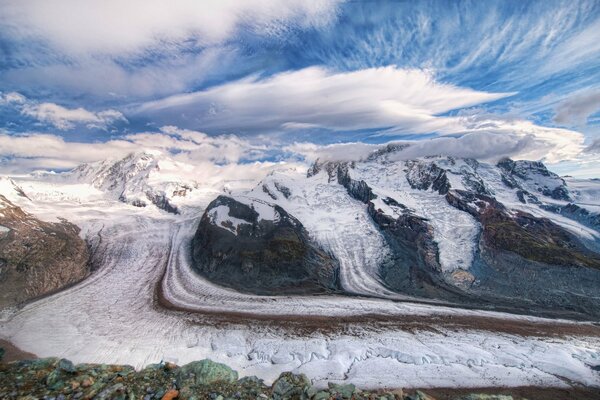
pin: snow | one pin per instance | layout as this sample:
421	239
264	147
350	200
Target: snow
220	216
113	317
454	230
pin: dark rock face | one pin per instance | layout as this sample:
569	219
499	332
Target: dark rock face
531	171
533	238
529	262
260	256
37	257
413	268
423	176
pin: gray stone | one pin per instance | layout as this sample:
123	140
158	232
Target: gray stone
346	390
205	372
289	386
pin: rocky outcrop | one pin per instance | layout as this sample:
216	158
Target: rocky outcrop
529	262
535	239
60	379
413	267
37	257
266	252
424	176
536	176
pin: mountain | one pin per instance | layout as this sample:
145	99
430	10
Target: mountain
138	179
36	257
259	248
512	235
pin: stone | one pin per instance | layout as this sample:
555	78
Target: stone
66	365
171	394
322	395
113	392
476	396
205	372
346	390
289	386
421	396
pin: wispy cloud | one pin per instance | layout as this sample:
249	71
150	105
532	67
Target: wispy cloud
60	117
315	97
113	27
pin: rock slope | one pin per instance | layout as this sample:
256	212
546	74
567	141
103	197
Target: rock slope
259	248
450	230
37	257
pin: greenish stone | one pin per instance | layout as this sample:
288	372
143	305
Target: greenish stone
322	395
421	396
53	380
251	380
289	386
346	391
476	396
66	365
205	372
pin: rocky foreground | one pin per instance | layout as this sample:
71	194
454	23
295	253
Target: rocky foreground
53	378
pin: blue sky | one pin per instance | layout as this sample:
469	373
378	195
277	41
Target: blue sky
514	78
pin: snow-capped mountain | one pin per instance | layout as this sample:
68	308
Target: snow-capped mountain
136	180
445	229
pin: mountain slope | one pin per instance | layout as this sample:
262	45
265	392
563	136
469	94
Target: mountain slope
452	230
37	257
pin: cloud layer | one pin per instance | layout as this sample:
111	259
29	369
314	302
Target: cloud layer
113	27
374	98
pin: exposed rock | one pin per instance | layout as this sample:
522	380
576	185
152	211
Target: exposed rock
290	386
205	372
31	380
535	175
236	247
346	391
424	176
37	257
533	238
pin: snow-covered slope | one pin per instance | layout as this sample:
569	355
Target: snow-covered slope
446	229
144	302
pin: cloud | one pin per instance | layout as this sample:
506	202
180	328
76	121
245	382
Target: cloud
519	140
45	151
11	98
594	147
58	116
407	99
577	108
66	118
113	27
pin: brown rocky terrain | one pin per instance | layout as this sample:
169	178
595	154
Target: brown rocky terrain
37	257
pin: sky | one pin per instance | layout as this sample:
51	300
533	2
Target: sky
268	81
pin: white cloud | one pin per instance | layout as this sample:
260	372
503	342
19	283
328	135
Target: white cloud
406	99
11	98
492	141
66	118
577	108
42	151
58	116
116	27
